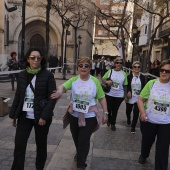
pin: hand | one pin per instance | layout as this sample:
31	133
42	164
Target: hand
41	122
105	118
143	117
109	82
126	99
129	95
13	123
56	94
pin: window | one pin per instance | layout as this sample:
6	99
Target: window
102	22
102	32
104	2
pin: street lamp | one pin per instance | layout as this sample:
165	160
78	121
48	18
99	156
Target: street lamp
66	26
79	38
134	31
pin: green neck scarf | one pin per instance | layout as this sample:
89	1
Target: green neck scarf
34	71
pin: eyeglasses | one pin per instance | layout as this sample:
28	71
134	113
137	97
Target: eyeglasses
163	70
83	65
34	57
136	66
119	63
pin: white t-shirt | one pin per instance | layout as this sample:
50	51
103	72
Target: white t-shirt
136	88
28	105
158	104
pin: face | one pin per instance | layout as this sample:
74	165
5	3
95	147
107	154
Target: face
165	72
136	68
118	64
34	59
84	68
14	56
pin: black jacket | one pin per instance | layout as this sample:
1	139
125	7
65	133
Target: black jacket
142	79
44	86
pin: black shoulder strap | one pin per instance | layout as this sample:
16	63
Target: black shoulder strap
32	88
110	74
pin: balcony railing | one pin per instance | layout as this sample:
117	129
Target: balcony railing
165	29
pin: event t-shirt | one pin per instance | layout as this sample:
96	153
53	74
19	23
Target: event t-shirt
119	78
84	94
136	88
158	101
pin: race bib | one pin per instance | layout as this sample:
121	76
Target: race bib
28	104
161	108
81	106
115	86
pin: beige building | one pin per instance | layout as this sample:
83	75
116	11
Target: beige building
35	30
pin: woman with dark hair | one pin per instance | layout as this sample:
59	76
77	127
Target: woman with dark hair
154	107
32	107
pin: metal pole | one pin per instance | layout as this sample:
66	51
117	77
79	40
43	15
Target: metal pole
133	52
64	55
23	29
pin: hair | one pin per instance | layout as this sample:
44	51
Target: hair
84	59
118	59
13	53
43	61
164	62
136	62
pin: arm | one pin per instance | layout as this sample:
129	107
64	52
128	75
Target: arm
104	107
58	93
141	109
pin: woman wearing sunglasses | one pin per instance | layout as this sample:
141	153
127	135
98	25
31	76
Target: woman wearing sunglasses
118	91
136	82
35	85
83	113
154	107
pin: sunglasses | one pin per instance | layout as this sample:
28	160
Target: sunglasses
163	70
136	66
119	63
84	65
34	57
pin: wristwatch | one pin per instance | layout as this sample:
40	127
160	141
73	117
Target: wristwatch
106	113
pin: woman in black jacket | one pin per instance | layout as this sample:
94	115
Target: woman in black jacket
32	107
136	82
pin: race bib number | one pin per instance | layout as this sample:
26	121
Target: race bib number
135	92
28	105
161	108
81	106
115	86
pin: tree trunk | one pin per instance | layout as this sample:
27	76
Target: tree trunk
75	51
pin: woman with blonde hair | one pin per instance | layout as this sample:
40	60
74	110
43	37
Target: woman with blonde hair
83	112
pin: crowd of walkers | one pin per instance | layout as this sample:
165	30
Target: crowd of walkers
36	96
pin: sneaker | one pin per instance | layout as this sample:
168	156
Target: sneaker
75	158
113	127
133	130
128	122
142	160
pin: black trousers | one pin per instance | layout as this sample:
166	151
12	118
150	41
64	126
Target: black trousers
151	131
24	127
81	137
129	108
113	104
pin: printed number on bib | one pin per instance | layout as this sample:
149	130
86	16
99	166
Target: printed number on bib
115	86
28	104
81	106
161	108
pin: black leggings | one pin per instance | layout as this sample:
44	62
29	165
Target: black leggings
113	104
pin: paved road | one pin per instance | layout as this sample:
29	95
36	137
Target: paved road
110	150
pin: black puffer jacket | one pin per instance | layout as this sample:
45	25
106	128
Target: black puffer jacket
44	86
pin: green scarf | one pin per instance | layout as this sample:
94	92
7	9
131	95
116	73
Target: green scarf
34	71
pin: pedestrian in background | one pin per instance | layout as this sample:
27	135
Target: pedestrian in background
154	107
136	82
83	113
93	68
32	107
13	65
118	91
102	67
53	62
97	67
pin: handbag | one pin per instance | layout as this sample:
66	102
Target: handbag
106	87
43	102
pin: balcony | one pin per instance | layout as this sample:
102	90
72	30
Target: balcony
165	29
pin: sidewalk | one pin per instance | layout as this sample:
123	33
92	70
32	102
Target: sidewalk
109	150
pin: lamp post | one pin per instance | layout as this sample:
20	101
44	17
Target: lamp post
79	38
66	26
134	31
